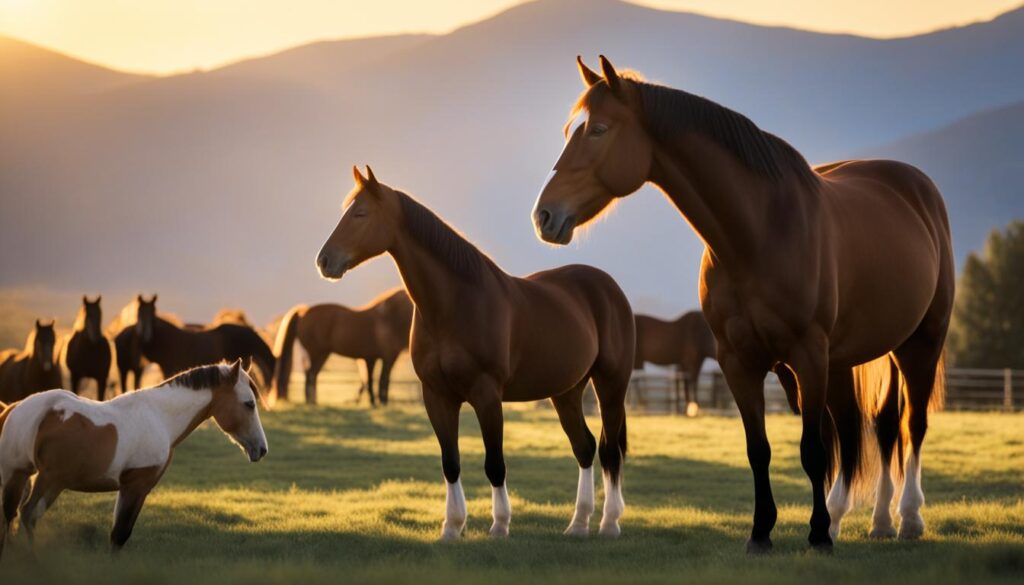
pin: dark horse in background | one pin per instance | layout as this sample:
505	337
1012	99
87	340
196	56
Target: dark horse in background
127	346
87	352
683	343
377	332
842	274
175	349
484	337
33	369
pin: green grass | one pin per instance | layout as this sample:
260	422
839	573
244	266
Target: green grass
356	495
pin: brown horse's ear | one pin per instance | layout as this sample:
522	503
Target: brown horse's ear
371	181
358	177
85	299
588	75
39	324
98	299
138	298
153	300
610	76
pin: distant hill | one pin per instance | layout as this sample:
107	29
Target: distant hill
219	187
978	162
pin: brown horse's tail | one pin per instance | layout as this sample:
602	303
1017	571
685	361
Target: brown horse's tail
283	350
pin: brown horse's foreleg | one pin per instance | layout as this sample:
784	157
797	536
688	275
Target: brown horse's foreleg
316	362
810	365
569	407
370	366
747	387
611	395
13	492
443	412
130	500
384	386
487	405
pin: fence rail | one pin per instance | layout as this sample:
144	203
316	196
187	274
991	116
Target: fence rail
661	392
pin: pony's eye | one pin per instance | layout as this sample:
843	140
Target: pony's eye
597	130
251	405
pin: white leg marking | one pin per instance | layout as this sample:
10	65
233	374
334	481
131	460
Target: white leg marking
455	512
502	511
692	409
838	505
613	507
580	523
911	522
881	518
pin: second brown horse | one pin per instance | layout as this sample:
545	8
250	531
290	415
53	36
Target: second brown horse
484	337
684	343
378	332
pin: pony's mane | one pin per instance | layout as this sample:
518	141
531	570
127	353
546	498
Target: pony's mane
668	112
198	378
441	240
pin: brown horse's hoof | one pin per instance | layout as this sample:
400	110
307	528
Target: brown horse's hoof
824	547
759	547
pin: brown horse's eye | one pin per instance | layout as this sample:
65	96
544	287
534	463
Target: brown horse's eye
361	212
597	130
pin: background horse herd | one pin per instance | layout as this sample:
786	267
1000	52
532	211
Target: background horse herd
838	278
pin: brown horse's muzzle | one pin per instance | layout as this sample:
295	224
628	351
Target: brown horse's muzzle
554	224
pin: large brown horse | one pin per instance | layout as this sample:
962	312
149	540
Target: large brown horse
32	369
684	343
817	269
483	337
87	352
176	349
376	332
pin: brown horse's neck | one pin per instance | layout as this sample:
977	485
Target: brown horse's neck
432	285
729	206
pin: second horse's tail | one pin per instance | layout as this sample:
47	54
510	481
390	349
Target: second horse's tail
283	350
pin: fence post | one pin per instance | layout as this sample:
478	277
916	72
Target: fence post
1008	389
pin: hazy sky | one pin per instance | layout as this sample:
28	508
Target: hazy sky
163	36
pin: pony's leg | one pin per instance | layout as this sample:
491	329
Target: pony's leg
315	363
847	423
44	494
611	396
887	432
569	407
443	412
12	494
130	500
809	362
487	404
747	387
918	359
384	386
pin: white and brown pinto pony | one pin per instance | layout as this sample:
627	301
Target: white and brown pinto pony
122	445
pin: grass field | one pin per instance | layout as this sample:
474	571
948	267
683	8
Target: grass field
351	494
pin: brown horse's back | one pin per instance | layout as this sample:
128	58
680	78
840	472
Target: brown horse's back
685	342
568	323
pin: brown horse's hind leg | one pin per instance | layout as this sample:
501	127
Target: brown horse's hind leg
887	432
569	407
384	386
918	360
487	404
315	363
126	511
611	396
13	493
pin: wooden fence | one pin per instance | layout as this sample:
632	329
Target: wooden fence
661	392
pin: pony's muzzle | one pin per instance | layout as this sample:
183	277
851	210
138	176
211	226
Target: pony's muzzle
256	452
554	226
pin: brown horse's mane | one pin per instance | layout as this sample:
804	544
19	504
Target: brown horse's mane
442	240
667	112
30	343
79	319
198	378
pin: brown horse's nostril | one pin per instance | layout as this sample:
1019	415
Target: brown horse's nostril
543	217
321	260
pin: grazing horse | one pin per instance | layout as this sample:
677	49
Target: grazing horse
87	352
377	332
484	337
123	445
815	270
684	343
176	349
34	368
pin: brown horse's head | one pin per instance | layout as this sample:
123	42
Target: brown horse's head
43	341
146	318
607	155
234	409
367	227
90	317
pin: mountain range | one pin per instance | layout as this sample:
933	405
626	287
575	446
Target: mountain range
217	188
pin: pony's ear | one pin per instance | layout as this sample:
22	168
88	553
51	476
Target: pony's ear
588	75
236	368
610	76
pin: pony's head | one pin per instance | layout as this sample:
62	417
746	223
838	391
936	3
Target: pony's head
146	318
235	410
367	227
90	317
607	154
44	340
